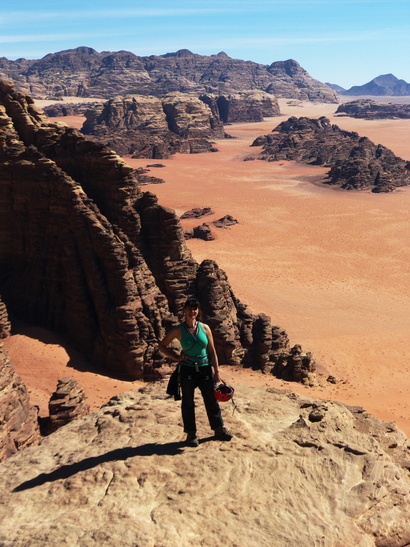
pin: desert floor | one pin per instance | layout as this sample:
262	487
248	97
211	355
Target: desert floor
331	267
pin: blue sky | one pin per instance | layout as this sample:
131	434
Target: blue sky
348	42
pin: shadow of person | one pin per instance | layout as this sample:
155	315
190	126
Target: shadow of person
65	471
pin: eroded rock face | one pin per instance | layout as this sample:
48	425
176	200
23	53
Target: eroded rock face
84	72
66	404
84	252
244	106
298	472
152	127
372	110
355	162
18	419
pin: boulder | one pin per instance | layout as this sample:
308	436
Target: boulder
66	404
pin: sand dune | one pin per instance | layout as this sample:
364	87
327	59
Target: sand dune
331	267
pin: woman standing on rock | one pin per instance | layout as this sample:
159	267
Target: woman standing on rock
197	342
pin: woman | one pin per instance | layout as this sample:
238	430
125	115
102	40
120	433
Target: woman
197	342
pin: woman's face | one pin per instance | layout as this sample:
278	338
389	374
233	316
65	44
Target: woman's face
191	312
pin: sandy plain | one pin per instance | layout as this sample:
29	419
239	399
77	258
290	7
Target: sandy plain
331	267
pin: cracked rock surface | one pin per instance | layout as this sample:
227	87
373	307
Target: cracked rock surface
299	472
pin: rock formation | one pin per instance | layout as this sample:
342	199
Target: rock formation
58	110
84	72
18	419
355	162
152	127
66	404
197	212
384	85
244	106
85	252
371	110
299	472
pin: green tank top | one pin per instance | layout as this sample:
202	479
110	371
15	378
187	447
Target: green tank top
195	345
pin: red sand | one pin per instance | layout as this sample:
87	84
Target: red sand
329	266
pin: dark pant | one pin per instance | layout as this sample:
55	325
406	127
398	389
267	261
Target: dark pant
202	378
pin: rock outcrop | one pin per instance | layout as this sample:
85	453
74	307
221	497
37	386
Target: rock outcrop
66	404
84	72
244	106
85	252
384	85
18	418
355	162
152	127
371	110
298	472
59	110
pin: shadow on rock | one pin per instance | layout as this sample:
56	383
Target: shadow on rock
149	449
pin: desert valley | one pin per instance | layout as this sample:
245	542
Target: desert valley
322	461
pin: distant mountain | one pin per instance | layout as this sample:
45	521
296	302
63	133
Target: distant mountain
336	88
84	72
385	85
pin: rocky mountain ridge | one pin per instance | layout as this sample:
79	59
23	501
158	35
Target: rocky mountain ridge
299	472
383	85
355	162
84	72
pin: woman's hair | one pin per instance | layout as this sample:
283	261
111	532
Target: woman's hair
192	302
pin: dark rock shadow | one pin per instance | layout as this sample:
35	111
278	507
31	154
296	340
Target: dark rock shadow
65	471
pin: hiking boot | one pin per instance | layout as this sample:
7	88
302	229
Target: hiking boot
222	434
192	440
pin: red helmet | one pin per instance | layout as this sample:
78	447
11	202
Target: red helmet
223	392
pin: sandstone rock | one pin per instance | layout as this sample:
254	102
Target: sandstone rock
225	221
371	110
152	127
84	72
355	162
203	232
299	472
69	109
18	419
197	212
84	252
244	106
5	326
66	404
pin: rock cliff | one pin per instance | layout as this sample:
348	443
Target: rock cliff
156	127
152	127
299	472
18	418
244	106
84	72
85	252
355	162
371	110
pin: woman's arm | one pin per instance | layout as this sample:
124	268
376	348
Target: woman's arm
212	352
162	346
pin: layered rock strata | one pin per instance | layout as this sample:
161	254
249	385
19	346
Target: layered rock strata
84	252
18	418
299	472
152	127
84	72
244	106
66	404
59	110
372	110
355	162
